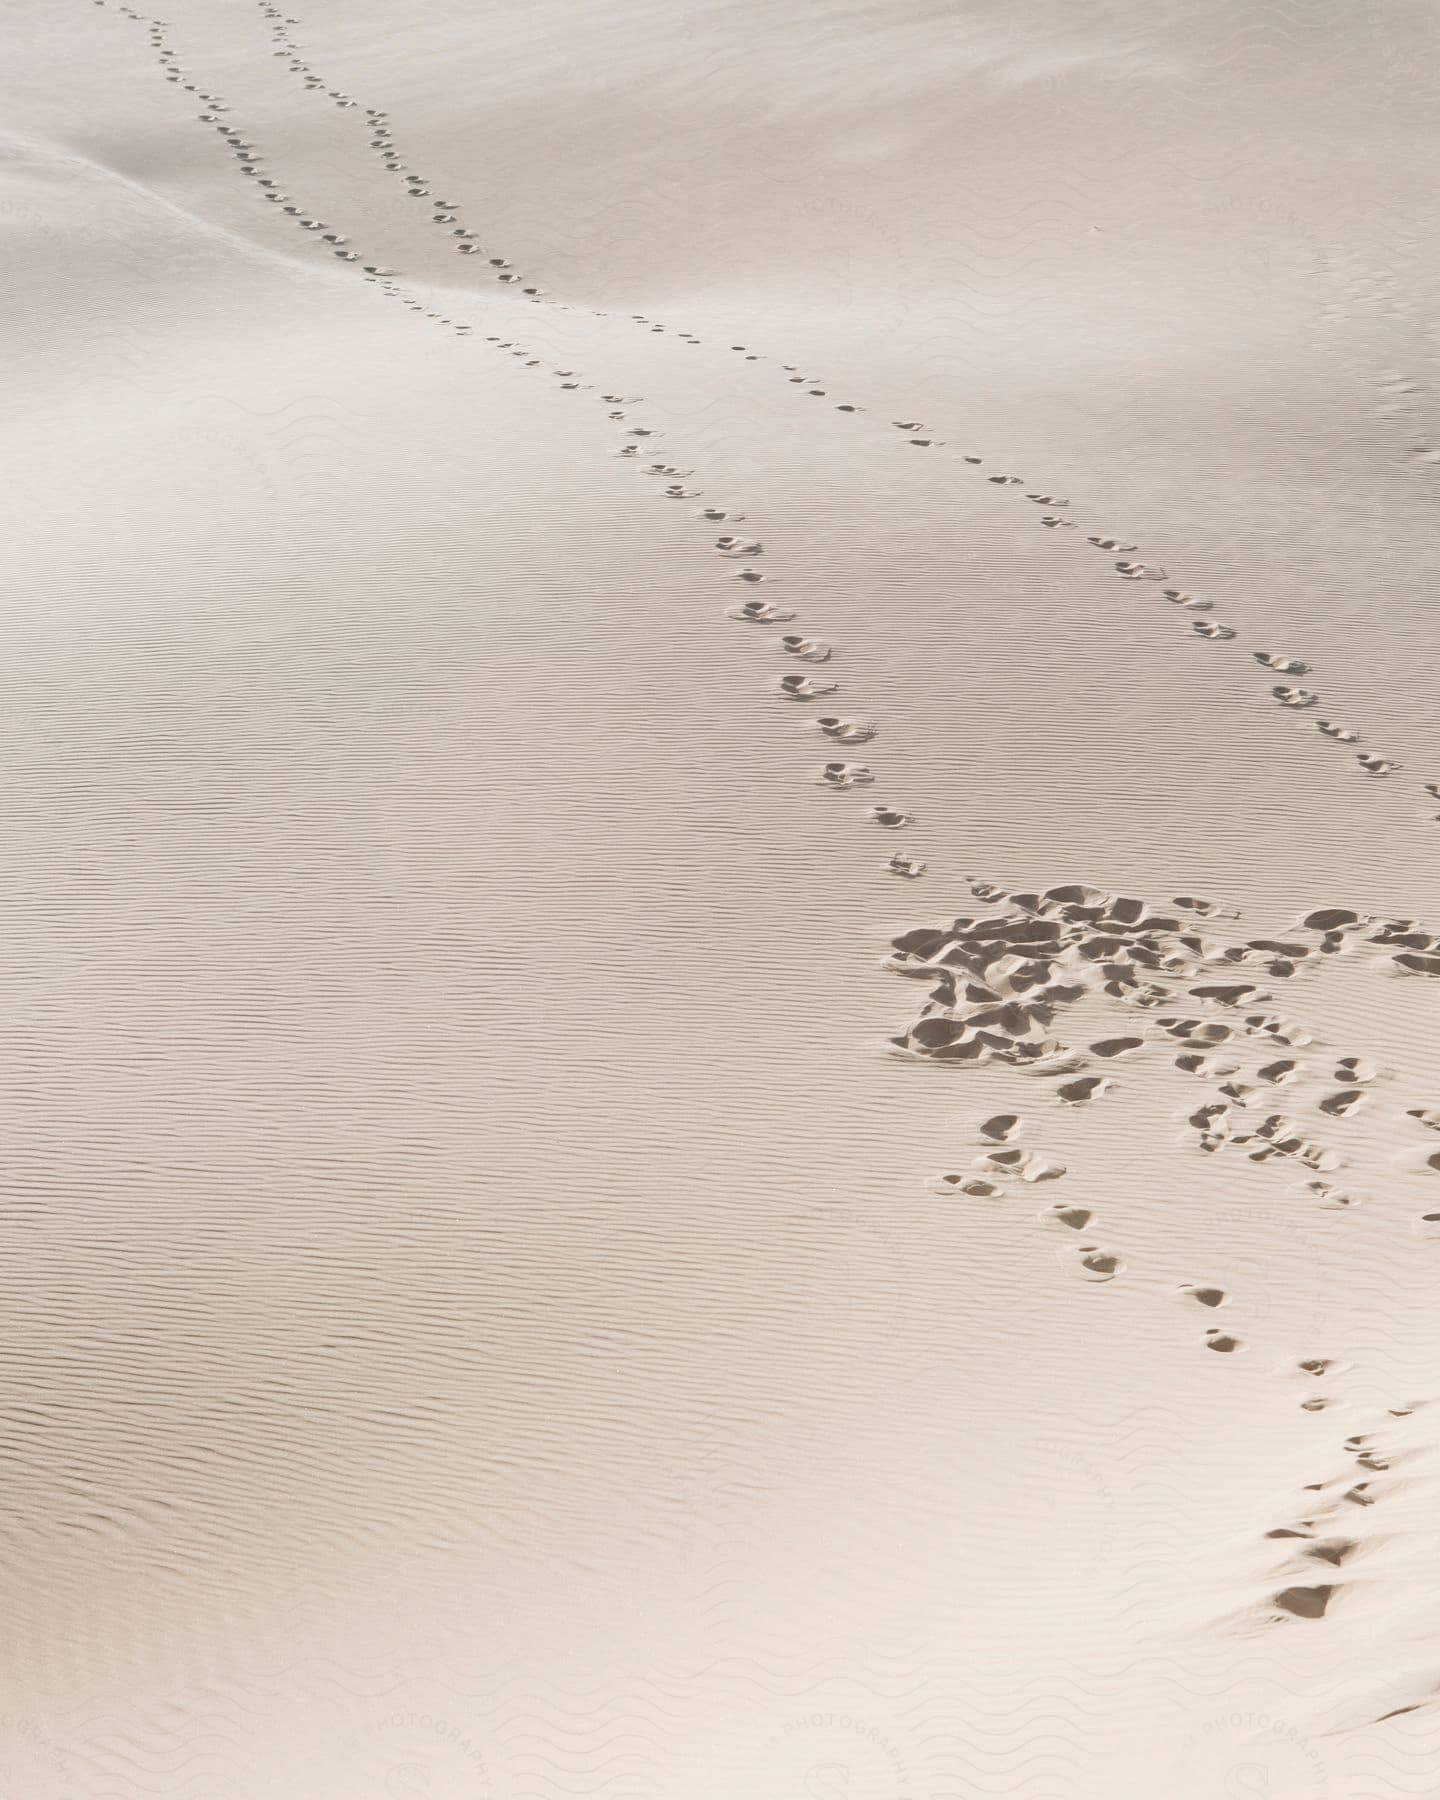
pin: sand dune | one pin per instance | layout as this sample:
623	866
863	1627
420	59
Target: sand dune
723	940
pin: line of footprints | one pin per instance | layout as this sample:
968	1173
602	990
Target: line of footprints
1000	983
445	216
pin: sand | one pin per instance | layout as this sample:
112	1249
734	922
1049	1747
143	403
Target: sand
721	977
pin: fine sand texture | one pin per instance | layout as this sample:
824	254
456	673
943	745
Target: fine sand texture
721	889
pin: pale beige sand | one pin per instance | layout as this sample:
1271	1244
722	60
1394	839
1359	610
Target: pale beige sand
485	1310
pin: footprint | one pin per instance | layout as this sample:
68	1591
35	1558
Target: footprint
1277	1072
759	612
676	492
751	575
1098	1265
1341	1105
1072	1218
1427	1115
1083	1090
907	424
1029	1165
905	865
801	687
1284	665
1342	732
1337	1199
1104	543
1211	628
727	545
1133	571
890	816
1120	1046
1305	1602
845	775
1376	765
1010	481
847	731
1178	597
717	514
1222	1341
1000	1127
968	1184
1295	696
1203	1294
809	650
1193	1064
1331	1550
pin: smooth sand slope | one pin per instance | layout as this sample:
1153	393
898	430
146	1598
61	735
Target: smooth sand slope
721	969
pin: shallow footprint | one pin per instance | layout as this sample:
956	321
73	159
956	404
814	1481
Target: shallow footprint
1098	1265
809	650
1223	1342
847	731
1305	1602
759	612
891	817
999	1128
1178	597
1342	732
1071	1218
1083	1090
1376	765
905	865
1341	1105
1107	543
1204	1294
1295	696
1211	628
802	687
845	775
970	1184
1284	665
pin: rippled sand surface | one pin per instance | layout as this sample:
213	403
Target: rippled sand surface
721	982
